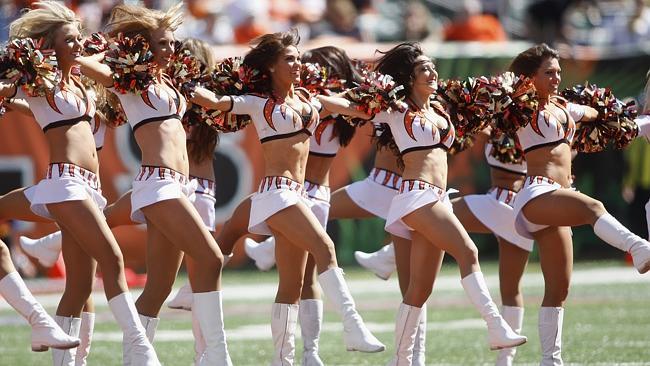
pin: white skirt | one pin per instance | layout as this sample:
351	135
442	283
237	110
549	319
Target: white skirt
320	197
375	193
204	201
64	182
495	210
274	195
155	184
534	186
412	195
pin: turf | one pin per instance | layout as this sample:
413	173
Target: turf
605	324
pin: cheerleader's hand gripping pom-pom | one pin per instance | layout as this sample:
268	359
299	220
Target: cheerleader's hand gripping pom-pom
95	44
318	80
28	65
185	70
614	125
468	103
131	62
514	102
376	93
505	147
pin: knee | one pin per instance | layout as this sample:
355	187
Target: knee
510	294
289	291
111	263
557	294
468	254
596	208
212	261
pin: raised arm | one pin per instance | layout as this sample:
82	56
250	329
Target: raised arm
340	105
92	67
210	100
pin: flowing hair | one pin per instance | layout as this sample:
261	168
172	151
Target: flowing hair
203	139
265	52
132	20
43	21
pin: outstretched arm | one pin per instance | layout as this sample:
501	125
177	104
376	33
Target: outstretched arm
210	100
92	67
340	105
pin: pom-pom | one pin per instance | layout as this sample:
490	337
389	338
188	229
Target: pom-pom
185	70
468	103
461	144
505	147
216	119
614	126
317	80
376	93
29	66
95	44
514	102
114	114
232	77
131	62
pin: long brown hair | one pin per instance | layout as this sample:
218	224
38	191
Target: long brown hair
265	52
202	139
528	62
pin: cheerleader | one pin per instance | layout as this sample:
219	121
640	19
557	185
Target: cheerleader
546	206
285	118
643	121
162	191
421	211
70	193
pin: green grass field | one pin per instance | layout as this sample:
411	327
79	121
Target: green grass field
607	322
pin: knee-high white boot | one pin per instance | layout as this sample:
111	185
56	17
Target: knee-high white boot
262	253
46	249
70	325
550	335
355	334
310	316
283	329
137	348
615	234
500	335
45	332
85	336
199	341
406	328
207	307
150	324
514	316
381	262
419	348
647	216
183	298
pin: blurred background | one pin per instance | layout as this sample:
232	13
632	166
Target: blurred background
606	42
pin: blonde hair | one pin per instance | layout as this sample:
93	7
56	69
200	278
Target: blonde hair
43	21
202	51
131	20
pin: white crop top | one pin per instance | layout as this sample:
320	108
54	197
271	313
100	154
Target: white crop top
60	107
155	104
414	129
323	142
547	130
274	119
498	164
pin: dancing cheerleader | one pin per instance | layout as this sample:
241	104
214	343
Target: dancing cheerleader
285	117
421	211
70	193
162	191
546	206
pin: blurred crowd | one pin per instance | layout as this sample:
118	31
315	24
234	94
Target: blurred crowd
576	22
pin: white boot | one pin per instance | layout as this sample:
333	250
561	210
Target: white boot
615	234
262	253
419	349
647	216
381	262
207	308
45	332
70	325
355	334
138	350
150	324
644	126
500	335
514	316
46	249
311	319
199	341
283	329
183	299
406	327
550	335
85	336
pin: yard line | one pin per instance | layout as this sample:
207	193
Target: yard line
266	291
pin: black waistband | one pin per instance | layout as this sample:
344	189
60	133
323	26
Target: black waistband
67	122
